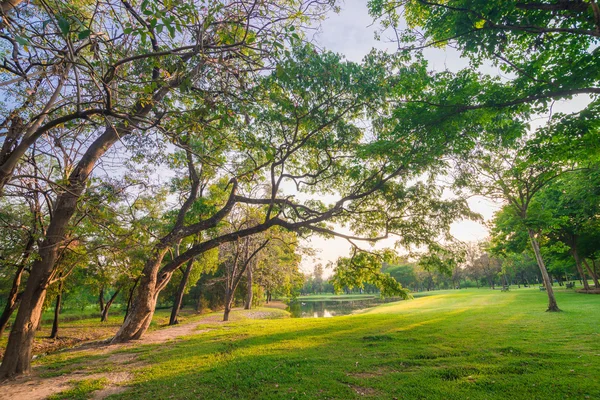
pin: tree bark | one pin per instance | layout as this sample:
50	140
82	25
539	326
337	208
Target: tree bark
14	296
13	299
584	280
106	306
18	350
101	299
143	302
228	299
249	293
54	333
130	297
179	295
552	305
592	273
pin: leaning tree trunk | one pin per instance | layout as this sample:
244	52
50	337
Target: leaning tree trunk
14	296
54	333
592	273
249	294
180	290
143	302
584	280
552	305
106	306
17	357
13	299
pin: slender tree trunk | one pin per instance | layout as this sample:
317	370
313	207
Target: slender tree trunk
584	280
228	300
248	304
101	299
592	273
14	296
106	307
179	295
17	357
13	299
552	305
54	333
130	297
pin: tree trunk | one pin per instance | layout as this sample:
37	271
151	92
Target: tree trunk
130	298
106	307
180	291
13	299
228	298
584	280
249	294
552	305
592	273
101	299
143	302
54	333
18	349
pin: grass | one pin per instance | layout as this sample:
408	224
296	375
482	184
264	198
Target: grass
81	390
475	344
77	327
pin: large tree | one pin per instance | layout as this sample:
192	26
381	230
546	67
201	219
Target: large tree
119	68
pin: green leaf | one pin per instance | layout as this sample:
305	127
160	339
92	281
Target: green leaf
84	34
64	25
21	40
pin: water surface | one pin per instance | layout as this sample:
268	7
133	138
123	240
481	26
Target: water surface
307	308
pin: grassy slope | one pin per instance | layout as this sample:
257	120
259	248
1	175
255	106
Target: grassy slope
476	344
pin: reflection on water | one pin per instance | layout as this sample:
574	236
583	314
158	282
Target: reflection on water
331	308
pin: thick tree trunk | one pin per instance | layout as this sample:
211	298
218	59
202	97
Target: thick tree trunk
552	305
54	333
143	301
179	295
106	306
249	279
592	273
584	280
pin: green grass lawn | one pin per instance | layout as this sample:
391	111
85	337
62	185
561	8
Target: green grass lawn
467	344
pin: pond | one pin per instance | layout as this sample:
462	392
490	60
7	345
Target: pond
336	306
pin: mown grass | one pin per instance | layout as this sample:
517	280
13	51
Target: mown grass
81	390
476	344
75	328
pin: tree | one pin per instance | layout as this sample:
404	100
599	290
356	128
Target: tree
109	106
572	204
548	48
318	278
516	175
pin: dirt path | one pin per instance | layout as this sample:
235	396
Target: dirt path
35	387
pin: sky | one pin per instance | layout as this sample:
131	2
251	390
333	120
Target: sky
351	32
